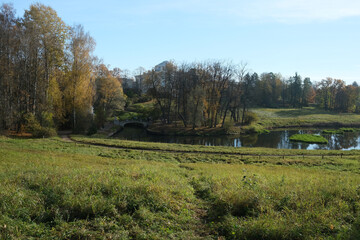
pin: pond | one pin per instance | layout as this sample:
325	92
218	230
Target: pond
275	139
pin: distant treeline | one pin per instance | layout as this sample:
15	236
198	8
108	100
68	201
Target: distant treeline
50	79
48	75
206	94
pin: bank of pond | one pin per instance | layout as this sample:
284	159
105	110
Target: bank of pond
338	139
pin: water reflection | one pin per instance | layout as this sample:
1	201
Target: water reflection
275	139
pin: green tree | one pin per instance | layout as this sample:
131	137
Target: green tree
247	86
307	92
268	90
296	91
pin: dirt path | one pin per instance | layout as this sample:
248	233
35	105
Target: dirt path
65	136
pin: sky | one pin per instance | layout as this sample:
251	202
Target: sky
315	38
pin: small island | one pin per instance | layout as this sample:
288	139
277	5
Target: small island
308	138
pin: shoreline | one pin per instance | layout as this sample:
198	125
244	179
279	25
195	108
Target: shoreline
252	129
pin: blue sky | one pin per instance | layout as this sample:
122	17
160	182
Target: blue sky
316	38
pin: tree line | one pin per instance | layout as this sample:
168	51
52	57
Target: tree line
50	79
210	93
49	76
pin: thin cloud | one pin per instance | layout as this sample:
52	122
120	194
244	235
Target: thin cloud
315	10
291	11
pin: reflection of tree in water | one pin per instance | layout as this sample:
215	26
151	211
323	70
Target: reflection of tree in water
269	140
285	143
208	141
350	140
249	140
342	141
275	139
284	140
345	141
334	141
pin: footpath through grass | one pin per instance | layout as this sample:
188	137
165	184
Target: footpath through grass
50	189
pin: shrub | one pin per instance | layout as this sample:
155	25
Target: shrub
250	118
92	129
228	126
47	120
45	132
31	123
33	126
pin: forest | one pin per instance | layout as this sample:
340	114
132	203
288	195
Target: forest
50	79
208	94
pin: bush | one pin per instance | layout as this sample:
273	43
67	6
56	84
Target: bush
228	126
250	118
33	126
31	123
92	129
44	132
47	120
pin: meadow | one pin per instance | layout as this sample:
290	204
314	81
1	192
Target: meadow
51	189
304	117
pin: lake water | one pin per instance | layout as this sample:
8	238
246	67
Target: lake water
275	139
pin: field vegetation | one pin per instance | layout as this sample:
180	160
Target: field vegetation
308	138
203	149
340	130
97	188
51	189
305	117
137	111
275	118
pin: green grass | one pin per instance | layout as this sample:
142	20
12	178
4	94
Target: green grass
139	107
137	111
308	138
339	131
332	131
349	129
200	148
305	117
128	116
50	189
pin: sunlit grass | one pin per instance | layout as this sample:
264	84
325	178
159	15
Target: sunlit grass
51	189
308	138
201	148
308	116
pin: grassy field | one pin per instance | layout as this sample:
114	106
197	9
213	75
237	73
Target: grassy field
51	189
305	117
